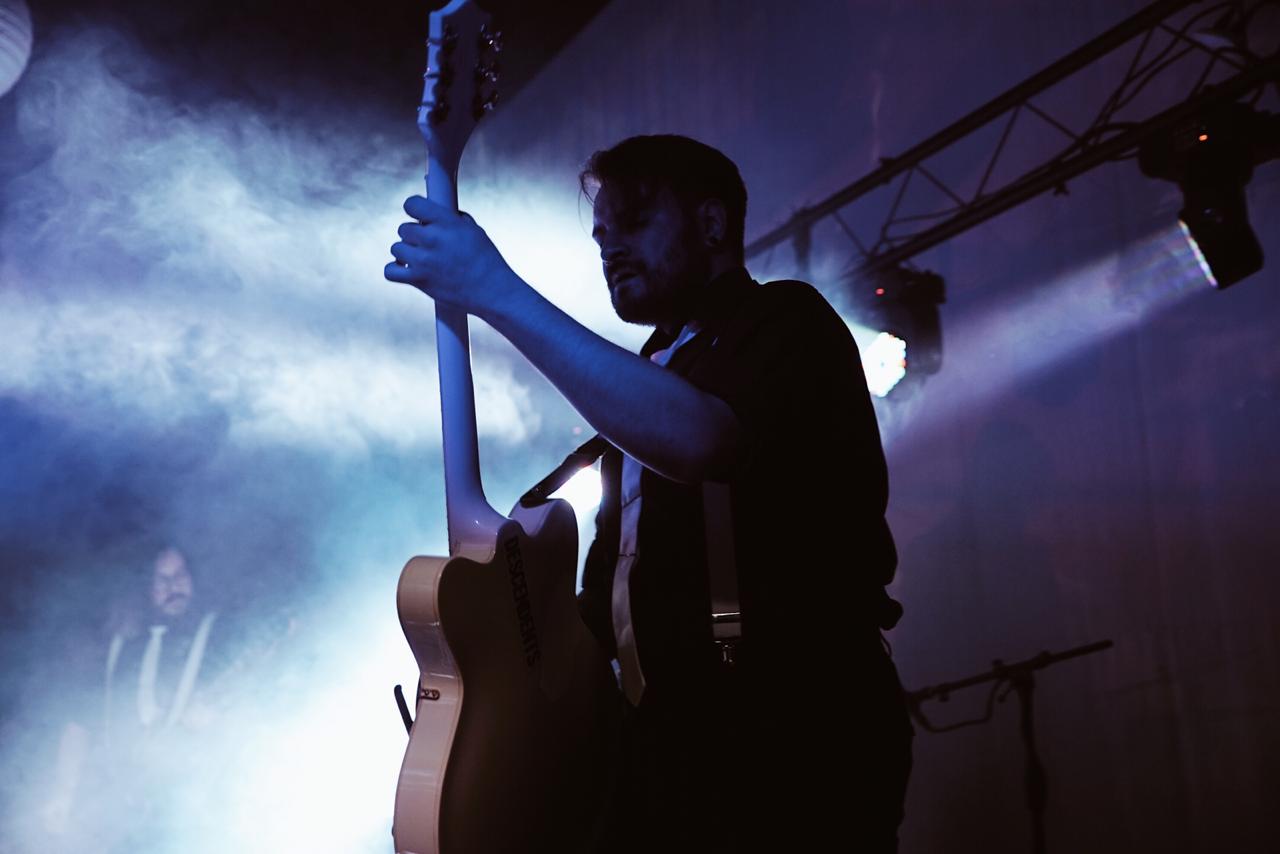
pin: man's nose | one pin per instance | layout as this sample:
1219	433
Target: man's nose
612	251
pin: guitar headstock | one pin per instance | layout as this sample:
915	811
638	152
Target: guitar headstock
460	83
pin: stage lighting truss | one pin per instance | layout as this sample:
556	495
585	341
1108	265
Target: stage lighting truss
1211	158
900	304
1187	56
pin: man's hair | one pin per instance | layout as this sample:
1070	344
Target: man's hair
693	171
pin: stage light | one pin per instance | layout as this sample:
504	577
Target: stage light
884	361
582	491
901	305
1211	158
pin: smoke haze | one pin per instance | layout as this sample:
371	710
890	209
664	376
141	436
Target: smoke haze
197	348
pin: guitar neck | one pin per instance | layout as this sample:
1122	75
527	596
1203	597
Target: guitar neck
473	523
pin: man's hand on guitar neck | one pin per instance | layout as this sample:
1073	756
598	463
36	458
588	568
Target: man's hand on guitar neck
656	416
448	257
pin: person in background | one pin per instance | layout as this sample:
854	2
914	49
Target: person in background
118	768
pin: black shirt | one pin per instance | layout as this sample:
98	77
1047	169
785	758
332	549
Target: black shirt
808	500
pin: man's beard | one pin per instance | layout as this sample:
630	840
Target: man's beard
668	293
175	606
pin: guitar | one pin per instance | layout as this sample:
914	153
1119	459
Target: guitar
516	707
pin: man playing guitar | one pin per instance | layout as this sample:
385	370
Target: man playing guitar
799	737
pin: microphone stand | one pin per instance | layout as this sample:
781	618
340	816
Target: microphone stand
1016	678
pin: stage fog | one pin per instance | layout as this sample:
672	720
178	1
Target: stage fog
212	401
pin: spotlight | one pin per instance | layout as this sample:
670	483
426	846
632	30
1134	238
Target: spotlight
582	491
901	304
1211	157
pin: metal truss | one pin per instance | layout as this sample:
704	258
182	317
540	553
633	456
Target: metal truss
1172	38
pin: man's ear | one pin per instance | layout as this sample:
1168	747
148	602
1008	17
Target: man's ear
713	222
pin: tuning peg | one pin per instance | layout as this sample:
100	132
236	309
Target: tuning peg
481	106
491	39
437	112
448	41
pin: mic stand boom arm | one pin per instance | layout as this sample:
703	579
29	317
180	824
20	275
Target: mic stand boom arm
1017	677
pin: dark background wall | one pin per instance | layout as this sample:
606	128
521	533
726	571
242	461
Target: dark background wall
1094	461
198	348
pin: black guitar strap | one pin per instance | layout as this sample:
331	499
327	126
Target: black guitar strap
586	454
726	612
717	514
722	569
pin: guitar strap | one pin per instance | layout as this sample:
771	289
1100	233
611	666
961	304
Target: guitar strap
586	454
722	568
717	510
717	516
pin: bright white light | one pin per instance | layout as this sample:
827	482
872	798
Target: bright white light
884	357
1199	256
309	349
995	345
320	775
885	363
583	492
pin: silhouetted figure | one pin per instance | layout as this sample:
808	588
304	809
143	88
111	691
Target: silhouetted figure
753	396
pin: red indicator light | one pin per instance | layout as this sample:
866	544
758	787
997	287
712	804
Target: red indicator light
1204	137
879	292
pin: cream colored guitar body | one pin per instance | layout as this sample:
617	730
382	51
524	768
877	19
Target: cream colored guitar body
511	746
510	751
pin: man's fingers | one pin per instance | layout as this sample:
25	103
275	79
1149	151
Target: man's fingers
396	272
416	233
405	272
402	269
407	253
426	211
